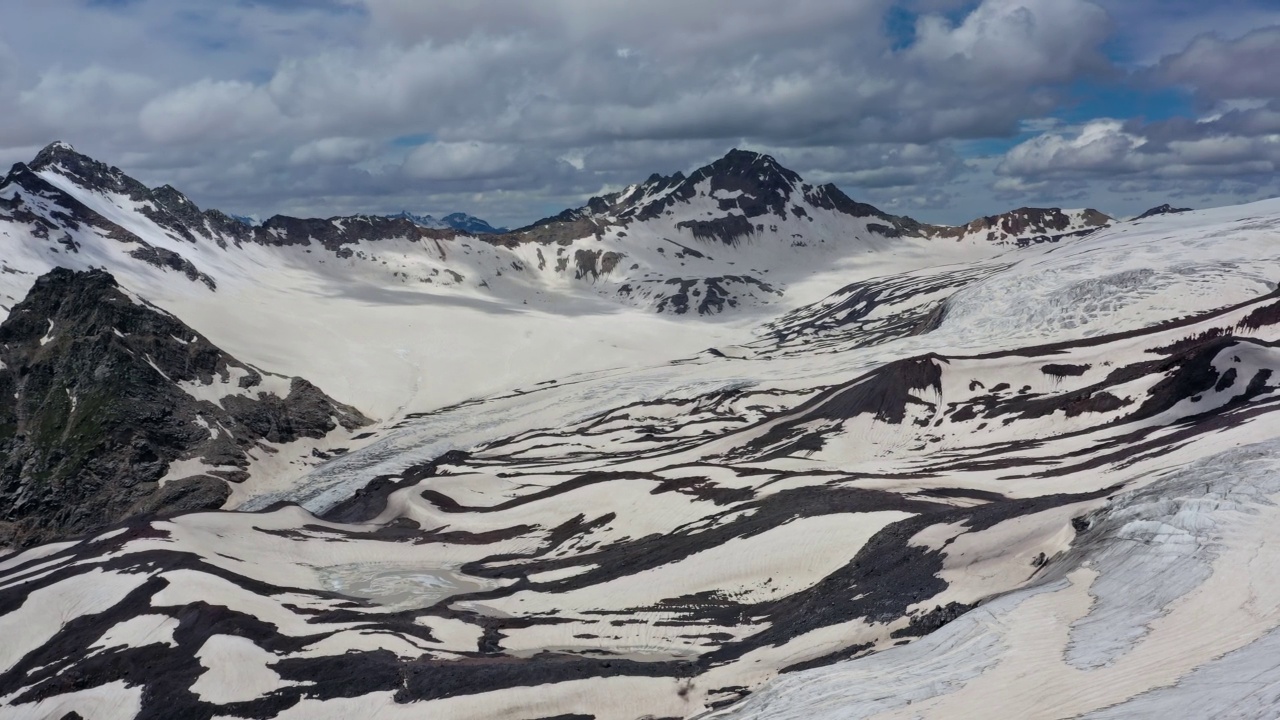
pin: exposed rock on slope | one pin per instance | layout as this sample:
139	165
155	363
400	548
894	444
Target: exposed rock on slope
736	233
738	189
1165	209
662	541
165	206
110	407
55	216
1025	226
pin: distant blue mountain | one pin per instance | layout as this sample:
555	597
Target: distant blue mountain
471	224
456	221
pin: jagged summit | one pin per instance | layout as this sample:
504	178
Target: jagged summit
62	192
732	233
748	167
53	152
61	158
740	186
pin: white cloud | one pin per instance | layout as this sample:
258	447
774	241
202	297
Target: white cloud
459	161
1098	146
94	99
211	110
1228	69
1016	41
551	72
1108	148
288	106
331	150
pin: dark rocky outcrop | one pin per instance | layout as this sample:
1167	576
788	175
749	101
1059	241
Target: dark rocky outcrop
728	229
1165	209
333	233
1024	226
96	405
595	263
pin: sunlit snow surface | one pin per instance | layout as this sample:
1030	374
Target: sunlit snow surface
1167	607
1039	483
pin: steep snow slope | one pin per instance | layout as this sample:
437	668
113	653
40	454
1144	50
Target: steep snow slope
773	516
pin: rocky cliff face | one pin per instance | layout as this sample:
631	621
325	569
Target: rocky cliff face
111	407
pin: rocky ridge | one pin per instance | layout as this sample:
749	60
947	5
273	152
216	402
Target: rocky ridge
733	234
1024	226
111	408
1165	209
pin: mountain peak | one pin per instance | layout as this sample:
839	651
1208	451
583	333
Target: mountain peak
59	152
87	172
747	163
459	221
749	156
743	185
471	224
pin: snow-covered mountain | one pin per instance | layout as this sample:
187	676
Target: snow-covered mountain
1025	226
940	476
735	234
461	222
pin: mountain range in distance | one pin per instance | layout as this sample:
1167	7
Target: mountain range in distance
720	445
734	234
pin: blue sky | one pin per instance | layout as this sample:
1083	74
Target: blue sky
511	110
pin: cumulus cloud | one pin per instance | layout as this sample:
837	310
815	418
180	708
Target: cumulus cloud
333	150
1016	41
1098	146
572	72
1137	164
64	102
459	161
515	107
1220	69
1149	30
210	110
